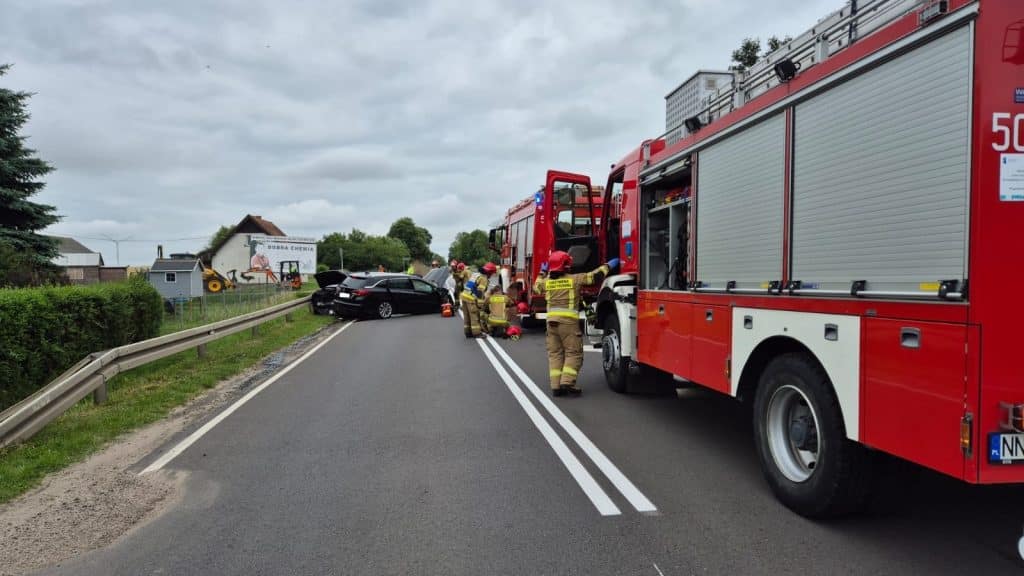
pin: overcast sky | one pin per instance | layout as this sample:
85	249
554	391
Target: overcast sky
165	120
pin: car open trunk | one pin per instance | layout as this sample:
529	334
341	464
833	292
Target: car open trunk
329	278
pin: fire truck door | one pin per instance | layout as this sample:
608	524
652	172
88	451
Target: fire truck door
569	202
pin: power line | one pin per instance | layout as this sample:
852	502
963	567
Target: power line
145	240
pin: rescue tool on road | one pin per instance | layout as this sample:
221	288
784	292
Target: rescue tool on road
838	241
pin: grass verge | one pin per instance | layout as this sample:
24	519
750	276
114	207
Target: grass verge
141	396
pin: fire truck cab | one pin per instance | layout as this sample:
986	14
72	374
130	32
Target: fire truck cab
836	239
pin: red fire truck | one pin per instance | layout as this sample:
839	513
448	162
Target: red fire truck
837	240
563	215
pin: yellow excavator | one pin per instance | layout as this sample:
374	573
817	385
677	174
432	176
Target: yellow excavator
215	282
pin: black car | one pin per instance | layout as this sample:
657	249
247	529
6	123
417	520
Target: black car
382	295
323	299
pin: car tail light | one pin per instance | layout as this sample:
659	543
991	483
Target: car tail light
361	292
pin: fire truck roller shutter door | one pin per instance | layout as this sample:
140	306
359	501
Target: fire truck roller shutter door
880	165
740	207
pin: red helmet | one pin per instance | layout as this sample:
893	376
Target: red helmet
514	332
559	261
523	308
490	268
461	266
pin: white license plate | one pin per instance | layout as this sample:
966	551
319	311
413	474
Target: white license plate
344	295
1006	448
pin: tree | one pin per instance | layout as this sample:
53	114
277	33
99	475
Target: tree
362	251
21	220
218	237
471	248
18	268
774	43
746	55
416	239
750	51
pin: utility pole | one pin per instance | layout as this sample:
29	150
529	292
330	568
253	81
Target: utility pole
117	246
341	258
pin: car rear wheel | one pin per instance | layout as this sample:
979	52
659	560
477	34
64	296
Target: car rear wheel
384	310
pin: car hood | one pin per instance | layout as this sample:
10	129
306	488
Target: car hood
329	278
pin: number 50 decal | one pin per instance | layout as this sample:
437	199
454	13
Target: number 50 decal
1009	130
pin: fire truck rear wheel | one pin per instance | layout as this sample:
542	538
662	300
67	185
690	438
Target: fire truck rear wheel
616	368
806	458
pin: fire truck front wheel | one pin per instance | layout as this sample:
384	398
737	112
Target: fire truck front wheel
616	368
807	460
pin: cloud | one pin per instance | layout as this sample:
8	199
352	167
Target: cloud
313	214
347	165
167	120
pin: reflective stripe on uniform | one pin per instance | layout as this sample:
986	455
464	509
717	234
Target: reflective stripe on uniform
589	276
555	373
569	371
562	312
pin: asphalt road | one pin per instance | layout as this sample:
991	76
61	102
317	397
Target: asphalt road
399	448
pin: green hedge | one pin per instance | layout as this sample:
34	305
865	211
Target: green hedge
43	331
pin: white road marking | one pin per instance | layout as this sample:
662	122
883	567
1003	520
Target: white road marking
660	573
590	487
617	478
191	438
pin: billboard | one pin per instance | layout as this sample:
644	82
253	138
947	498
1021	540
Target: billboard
270	251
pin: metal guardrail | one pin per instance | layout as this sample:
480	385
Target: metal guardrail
90	375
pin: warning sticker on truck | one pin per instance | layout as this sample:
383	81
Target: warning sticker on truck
1011	178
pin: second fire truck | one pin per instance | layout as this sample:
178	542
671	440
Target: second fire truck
563	215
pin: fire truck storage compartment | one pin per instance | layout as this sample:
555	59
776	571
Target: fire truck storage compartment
663	326
739	203
914	391
710	330
880	174
667	222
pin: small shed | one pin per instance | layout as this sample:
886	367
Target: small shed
177	277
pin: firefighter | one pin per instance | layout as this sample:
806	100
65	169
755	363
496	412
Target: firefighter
458	272
496	306
472	296
564	339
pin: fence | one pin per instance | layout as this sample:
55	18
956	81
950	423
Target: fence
185	312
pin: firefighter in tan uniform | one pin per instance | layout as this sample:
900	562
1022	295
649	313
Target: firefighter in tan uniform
496	307
458	271
472	299
564	339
